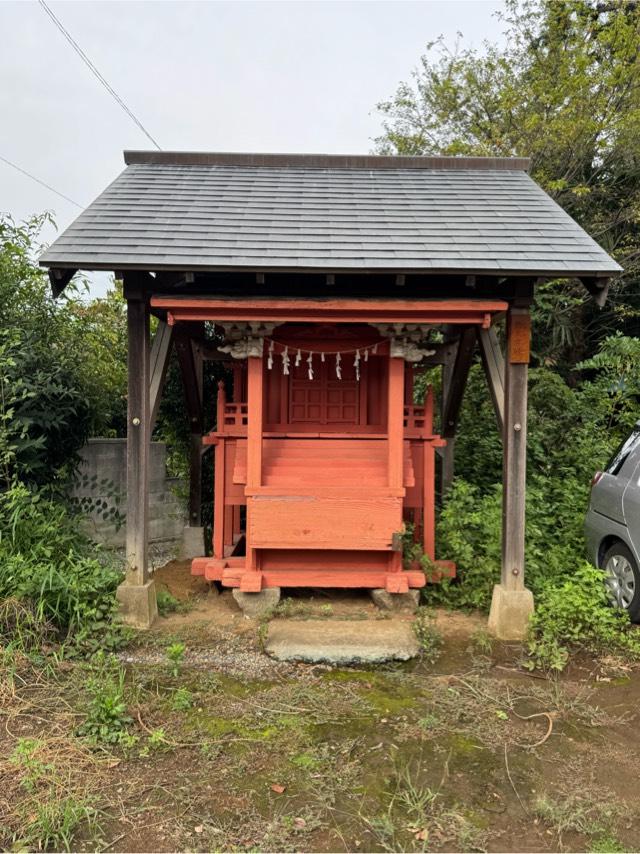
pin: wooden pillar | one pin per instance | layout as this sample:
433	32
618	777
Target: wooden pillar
395	422
515	449
395	461
138	440
195	480
428	500
218	499
137	594
512	603
447	453
190	359
254	421
251	581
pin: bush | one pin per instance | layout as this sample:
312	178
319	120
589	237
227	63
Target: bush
46	560
576	613
572	432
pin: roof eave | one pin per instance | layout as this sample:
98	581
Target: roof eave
324	161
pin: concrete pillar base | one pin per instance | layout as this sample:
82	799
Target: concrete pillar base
138	605
510	612
257	604
395	601
192	542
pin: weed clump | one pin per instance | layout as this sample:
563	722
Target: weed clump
428	636
107	719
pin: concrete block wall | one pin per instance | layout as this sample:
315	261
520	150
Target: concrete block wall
103	476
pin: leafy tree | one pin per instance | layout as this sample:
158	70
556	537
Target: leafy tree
44	412
564	90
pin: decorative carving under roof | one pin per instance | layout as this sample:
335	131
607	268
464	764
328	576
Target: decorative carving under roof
408	341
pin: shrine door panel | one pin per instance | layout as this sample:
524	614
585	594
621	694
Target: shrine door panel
325	400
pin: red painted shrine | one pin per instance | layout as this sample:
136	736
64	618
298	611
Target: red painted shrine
328	280
321	454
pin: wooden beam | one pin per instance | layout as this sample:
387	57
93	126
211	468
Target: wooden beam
493	363
158	364
279	310
191	370
514	455
138	439
59	279
457	382
598	288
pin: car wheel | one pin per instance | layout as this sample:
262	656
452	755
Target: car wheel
622	578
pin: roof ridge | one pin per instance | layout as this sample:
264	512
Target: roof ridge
324	161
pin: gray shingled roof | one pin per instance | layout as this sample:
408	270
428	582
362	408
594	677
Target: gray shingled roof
294	213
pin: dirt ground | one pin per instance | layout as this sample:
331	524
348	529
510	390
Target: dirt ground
230	750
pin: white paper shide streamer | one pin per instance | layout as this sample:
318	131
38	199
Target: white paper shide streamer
360	355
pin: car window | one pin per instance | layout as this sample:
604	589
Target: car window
620	457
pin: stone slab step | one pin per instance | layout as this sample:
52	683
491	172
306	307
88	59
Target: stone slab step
341	641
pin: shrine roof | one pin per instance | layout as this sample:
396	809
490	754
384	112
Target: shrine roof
294	213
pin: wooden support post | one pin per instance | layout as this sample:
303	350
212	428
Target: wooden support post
220	476
493	363
515	450
254	422
218	500
429	500
190	359
512	603
195	481
395	422
395	458
254	463
457	381
447	453
137	594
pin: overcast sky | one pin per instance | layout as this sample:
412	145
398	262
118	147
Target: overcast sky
204	76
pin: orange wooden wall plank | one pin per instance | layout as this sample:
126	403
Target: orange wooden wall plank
323	523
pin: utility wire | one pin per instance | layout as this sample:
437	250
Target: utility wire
83	56
33	178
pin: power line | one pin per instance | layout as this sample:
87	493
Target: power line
43	183
83	56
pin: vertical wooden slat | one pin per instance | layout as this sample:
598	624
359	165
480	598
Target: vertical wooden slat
429	501
195	480
138	439
254	425
228	525
255	402
236	521
514	461
395	418
237	382
218	499
221	402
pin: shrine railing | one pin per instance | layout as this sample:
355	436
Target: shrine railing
418	419
234	418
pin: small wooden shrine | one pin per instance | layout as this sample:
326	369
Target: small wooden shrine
328	284
322	454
